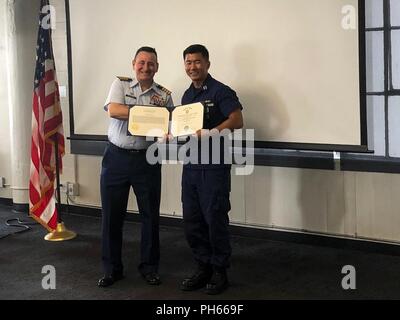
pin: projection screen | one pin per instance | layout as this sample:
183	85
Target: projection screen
295	64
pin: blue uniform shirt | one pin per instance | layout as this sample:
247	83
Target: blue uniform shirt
128	91
220	101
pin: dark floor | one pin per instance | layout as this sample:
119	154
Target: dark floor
261	269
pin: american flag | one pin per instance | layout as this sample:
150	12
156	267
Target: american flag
46	129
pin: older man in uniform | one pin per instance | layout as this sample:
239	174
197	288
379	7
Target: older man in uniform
124	165
206	187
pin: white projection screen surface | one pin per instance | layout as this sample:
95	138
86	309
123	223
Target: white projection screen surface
294	66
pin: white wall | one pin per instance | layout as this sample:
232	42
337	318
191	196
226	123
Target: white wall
351	204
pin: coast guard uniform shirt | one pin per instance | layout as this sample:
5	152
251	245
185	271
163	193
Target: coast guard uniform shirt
128	91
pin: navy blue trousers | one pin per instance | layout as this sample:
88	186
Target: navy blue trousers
205	199
121	171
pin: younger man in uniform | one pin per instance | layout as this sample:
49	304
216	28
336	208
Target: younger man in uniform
206	187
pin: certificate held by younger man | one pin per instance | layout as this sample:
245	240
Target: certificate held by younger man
187	119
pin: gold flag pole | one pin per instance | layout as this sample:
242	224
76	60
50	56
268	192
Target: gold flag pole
61	233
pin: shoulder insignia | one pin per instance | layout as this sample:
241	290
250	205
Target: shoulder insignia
164	89
124	78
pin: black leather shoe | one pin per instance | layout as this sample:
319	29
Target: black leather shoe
152	278
109	280
218	283
198	280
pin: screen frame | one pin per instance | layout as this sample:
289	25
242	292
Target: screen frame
87	139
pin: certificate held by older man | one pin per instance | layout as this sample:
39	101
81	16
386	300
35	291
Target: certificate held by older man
148	121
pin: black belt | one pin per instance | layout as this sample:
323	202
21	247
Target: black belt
114	147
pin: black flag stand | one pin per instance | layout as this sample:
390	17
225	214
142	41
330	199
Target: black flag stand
61	233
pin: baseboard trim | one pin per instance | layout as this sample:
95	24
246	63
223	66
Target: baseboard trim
326	240
132	216
16	207
21	208
366	245
6	202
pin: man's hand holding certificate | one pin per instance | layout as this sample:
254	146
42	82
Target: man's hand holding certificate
154	121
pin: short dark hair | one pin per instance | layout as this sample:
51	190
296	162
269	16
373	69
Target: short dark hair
196	48
146	49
